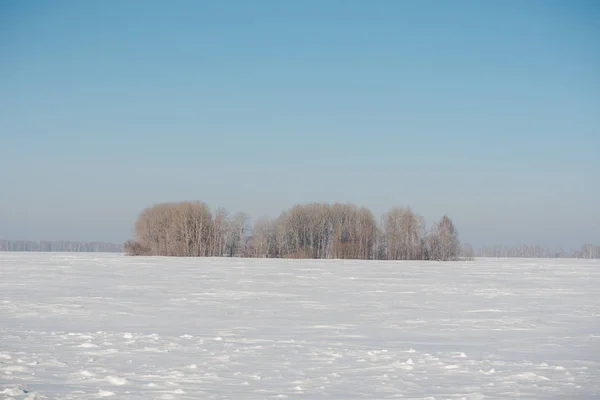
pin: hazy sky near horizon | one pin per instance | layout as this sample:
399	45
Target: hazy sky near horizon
486	111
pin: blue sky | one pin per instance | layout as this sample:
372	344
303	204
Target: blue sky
486	111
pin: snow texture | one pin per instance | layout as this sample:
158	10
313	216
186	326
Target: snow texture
91	326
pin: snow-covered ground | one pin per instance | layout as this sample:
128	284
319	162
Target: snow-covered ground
85	326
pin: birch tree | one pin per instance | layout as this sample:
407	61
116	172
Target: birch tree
444	243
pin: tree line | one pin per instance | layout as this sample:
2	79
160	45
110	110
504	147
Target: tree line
538	251
315	230
59	246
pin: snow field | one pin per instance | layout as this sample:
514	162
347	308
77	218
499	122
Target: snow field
88	326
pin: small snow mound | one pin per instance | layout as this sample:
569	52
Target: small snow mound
298	388
85	373
104	393
531	376
490	372
127	335
116	380
218	338
192	366
186	336
16	368
179	391
4	356
402	365
411	350
88	345
410	361
461	355
16	391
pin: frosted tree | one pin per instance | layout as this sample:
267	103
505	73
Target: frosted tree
443	241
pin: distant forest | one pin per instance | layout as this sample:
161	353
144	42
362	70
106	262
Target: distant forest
60	246
315	230
537	251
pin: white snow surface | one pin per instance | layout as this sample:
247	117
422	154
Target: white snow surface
89	326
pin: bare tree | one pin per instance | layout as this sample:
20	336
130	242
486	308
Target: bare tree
404	231
237	227
259	242
151	228
220	231
444	243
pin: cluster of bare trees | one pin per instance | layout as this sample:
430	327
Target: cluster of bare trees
315	230
188	229
59	246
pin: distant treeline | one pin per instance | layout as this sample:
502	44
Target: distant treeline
537	251
60	246
314	230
